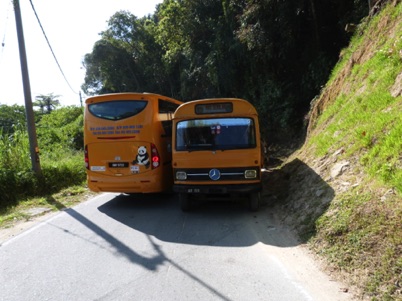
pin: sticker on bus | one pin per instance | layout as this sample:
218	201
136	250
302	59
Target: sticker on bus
98	168
135	169
126	141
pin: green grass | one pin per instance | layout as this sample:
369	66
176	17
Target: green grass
53	202
13	150
20	187
361	231
368	121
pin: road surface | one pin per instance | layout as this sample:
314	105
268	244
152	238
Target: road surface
119	247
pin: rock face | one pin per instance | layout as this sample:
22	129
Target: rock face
338	169
302	188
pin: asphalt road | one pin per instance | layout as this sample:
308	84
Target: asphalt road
118	247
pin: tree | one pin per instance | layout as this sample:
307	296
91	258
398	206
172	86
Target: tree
126	58
46	103
199	42
275	53
62	128
10	117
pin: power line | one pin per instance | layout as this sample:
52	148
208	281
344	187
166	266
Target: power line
3	42
51	49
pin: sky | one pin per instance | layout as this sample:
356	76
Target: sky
72	28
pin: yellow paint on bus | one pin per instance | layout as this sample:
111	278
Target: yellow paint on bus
127	138
217	150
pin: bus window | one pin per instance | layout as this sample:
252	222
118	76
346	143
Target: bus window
217	150
127	149
215	134
166	110
117	110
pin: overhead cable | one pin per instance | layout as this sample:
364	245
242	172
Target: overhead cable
48	43
3	42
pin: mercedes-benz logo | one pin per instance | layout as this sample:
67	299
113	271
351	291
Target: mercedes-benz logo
214	174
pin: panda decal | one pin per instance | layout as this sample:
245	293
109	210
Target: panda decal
142	157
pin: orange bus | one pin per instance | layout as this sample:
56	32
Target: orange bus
217	150
127	139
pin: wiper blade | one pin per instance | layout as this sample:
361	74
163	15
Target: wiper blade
198	147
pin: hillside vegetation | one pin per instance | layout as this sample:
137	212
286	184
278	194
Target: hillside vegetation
342	190
60	136
275	54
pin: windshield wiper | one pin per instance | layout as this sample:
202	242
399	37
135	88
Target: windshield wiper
197	147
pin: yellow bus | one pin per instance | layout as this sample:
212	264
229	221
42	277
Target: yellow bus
127	139
217	150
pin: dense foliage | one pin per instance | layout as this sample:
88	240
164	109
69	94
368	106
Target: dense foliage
60	137
275	53
11	117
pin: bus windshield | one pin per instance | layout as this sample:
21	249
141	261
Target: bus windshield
117	110
215	134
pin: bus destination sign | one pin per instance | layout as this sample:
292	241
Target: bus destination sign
214	108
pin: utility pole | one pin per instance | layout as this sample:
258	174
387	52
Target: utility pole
34	149
80	98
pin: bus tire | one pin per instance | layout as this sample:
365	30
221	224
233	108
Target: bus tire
185	202
254	201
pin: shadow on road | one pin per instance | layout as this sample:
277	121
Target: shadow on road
150	263
210	223
294	187
294	195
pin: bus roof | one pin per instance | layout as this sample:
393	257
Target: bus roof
128	96
239	107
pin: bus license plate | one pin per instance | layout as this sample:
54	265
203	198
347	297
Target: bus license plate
118	164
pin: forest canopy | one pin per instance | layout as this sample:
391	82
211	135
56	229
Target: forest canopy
275	53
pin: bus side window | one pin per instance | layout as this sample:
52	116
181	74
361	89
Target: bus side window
167	127
166	106
166	110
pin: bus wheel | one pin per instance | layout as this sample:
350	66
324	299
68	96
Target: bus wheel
254	202
185	202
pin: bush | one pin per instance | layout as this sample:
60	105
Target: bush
62	128
60	137
68	170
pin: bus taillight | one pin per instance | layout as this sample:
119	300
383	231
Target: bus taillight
86	157
154	156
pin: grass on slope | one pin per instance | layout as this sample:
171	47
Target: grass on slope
361	232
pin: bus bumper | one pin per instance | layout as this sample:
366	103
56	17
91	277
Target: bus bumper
218	189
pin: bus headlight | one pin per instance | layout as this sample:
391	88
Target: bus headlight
250	174
181	175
